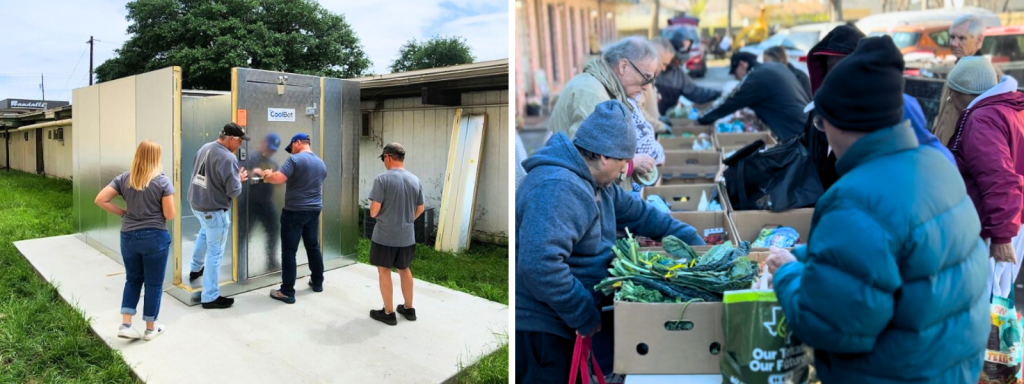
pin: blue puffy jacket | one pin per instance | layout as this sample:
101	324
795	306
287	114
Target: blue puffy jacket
565	230
891	285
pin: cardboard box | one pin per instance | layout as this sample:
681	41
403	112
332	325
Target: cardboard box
691	167
684	143
685	198
643	345
748	224
680	126
707	223
728	142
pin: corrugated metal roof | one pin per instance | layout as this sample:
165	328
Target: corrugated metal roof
455	72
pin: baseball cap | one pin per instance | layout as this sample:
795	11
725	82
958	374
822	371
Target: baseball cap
298	136
233	130
273	142
395	149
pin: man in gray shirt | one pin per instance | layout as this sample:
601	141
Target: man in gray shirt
303	200
216	179
396	202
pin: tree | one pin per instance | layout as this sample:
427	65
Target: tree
433	53
206	38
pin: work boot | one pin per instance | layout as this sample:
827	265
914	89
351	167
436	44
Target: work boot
220	303
386	318
316	288
195	275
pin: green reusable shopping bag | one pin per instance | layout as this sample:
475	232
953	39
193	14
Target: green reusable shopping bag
759	349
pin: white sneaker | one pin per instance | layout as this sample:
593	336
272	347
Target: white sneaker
129	333
153	333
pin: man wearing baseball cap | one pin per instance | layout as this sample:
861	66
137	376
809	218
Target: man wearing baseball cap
893	269
300	220
261	209
567	211
396	202
216	179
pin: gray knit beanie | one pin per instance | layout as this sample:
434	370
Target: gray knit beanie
973	75
609	131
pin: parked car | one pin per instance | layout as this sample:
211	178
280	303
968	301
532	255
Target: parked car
696	64
922	44
797	41
1003	44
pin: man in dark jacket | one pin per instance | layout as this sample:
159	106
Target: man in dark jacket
777	54
567	211
674	81
841	41
891	285
770	90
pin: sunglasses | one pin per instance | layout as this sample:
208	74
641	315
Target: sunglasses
381	157
647	80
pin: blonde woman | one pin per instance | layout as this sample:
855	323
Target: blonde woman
149	197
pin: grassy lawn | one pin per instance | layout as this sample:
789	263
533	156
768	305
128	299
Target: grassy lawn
482	271
45	340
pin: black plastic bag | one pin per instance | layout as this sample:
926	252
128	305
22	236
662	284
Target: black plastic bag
779	179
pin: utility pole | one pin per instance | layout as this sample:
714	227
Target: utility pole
924	5
91	40
728	21
653	31
42	86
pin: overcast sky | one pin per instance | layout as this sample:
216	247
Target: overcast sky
48	36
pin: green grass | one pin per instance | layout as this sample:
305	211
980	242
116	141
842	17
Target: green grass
481	271
42	338
45	340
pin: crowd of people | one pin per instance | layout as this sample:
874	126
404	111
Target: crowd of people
916	229
217	179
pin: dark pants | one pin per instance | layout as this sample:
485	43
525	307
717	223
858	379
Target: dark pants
145	259
304	225
543	358
262	212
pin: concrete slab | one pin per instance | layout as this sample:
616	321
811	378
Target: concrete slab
324	338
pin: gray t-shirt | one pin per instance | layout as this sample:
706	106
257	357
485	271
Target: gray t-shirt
219	182
145	207
399	193
306	173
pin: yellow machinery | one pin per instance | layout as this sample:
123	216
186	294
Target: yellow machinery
754	33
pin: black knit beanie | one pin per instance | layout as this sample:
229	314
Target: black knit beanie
864	92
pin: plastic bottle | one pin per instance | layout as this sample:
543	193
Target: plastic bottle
694	114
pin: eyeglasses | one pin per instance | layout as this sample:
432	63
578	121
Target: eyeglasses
819	123
647	80
381	157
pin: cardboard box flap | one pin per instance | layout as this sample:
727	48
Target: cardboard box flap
707	223
643	345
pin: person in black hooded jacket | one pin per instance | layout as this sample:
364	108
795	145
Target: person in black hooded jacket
770	89
674	81
836	45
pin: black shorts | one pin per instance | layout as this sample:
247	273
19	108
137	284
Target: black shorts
391	257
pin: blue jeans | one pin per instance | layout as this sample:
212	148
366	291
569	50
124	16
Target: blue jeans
145	260
213	231
304	225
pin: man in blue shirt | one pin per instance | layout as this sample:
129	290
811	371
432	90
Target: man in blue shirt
303	200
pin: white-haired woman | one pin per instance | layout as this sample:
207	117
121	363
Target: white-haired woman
149	201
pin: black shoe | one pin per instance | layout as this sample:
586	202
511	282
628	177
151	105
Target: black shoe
379	315
220	303
410	314
195	275
316	288
277	295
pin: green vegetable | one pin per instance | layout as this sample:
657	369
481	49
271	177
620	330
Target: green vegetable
681	275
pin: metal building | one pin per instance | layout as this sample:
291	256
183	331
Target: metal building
111	118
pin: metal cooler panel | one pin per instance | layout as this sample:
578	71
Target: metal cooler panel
202	119
260	204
